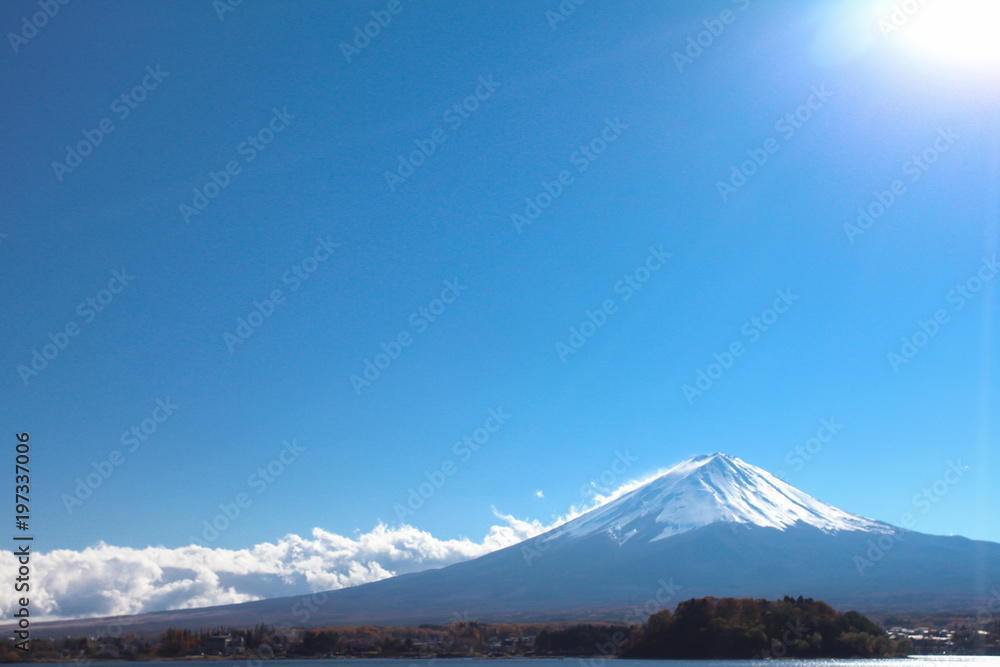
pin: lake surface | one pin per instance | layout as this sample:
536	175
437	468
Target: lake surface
916	661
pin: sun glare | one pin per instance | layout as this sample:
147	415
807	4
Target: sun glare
952	32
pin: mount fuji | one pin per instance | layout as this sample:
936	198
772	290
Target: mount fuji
711	489
711	525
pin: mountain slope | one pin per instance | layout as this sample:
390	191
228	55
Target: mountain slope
712	525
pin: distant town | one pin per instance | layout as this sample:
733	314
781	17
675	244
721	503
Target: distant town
960	640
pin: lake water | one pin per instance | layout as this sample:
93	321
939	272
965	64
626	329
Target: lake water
916	661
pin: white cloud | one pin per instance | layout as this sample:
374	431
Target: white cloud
105	580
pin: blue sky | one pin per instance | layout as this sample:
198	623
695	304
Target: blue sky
315	196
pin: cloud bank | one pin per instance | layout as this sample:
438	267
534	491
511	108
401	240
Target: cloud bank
107	580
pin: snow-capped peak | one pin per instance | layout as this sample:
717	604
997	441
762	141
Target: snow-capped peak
711	489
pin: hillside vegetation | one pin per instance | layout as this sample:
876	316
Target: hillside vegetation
734	628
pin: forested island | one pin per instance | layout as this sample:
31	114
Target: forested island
731	628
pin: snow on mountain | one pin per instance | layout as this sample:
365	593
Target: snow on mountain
711	489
